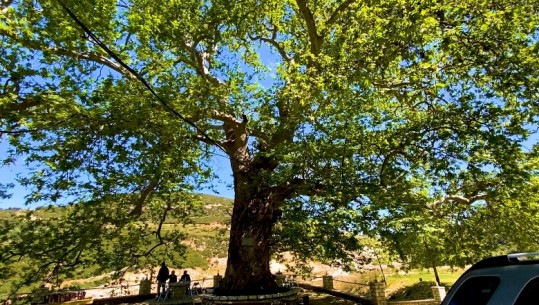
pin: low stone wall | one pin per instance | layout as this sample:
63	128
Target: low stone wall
414	302
291	297
378	294
124	299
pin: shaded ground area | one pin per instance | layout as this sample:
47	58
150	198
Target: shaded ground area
314	299
326	299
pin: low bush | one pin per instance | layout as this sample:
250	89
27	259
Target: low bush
418	291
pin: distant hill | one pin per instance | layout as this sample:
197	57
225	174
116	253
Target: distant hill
217	210
207	234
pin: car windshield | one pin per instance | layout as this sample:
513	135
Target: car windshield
475	291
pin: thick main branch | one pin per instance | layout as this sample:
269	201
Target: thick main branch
460	199
314	38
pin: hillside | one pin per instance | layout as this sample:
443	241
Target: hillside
206	241
207	236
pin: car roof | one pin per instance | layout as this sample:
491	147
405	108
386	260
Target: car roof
505	260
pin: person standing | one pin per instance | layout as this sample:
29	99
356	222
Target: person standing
185	277
173	277
162	277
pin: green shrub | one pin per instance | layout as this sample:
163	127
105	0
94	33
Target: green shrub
418	291
194	259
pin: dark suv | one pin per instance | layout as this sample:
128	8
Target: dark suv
511	279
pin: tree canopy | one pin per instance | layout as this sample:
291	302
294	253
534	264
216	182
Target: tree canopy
333	114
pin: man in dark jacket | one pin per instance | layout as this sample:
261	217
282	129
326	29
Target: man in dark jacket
185	277
162	277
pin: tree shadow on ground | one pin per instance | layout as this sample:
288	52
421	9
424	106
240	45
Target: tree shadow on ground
326	299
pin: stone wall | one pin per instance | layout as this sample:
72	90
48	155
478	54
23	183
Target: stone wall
439	293
291	297
145	287
378	294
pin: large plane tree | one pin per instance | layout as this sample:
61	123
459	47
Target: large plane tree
329	112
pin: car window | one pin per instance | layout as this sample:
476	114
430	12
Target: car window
530	293
475	291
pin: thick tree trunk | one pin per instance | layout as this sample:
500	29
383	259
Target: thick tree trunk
248	270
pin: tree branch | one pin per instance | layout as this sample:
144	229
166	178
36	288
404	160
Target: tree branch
297	186
134	73
24	104
4	4
314	38
261	137
13	131
27	281
272	41
335	15
90	56
386	161
198	61
158	232
460	199
162	221
224	117
145	195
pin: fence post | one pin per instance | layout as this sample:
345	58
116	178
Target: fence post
145	287
378	293
439	293
179	290
279	279
217	281
327	282
38	296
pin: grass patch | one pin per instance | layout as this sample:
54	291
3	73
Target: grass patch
194	259
415	276
416	284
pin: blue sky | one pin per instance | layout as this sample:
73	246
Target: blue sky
222	186
7	175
